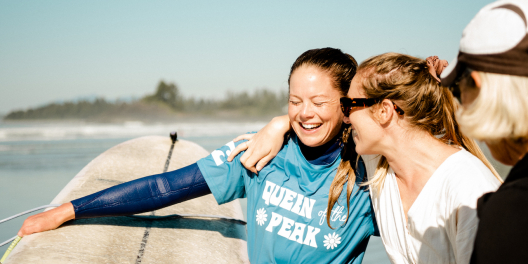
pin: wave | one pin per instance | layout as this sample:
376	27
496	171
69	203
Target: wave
125	130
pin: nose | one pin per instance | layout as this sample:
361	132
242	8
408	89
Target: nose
307	111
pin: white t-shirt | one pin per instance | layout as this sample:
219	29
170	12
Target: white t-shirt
442	222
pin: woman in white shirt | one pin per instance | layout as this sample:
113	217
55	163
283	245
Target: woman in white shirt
425	176
429	176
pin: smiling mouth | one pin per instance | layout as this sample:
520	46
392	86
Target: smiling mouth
310	126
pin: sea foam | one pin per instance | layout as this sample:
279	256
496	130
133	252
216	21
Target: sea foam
64	131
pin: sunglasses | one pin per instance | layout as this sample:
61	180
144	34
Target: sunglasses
455	87
348	103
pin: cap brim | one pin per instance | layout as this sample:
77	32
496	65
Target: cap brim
451	72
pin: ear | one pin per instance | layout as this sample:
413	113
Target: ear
385	112
476	78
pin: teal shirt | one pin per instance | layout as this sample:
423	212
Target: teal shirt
286	207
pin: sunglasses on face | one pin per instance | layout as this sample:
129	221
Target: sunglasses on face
348	103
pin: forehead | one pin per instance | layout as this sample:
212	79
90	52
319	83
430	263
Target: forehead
356	87
312	81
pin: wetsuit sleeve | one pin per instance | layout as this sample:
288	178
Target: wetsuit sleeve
226	179
144	194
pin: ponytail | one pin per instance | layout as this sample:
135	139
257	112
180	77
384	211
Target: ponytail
345	174
427	105
454	134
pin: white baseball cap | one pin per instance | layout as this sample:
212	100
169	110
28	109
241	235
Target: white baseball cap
495	41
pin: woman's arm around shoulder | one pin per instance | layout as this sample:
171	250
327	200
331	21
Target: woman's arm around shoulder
262	147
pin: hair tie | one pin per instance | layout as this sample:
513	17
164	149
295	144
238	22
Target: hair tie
436	66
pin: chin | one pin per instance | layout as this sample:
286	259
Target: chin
362	151
310	141
359	151
502	153
503	157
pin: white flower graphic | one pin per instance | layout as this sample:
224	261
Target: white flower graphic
332	240
261	216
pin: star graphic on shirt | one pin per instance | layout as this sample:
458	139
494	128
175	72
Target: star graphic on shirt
261	216
331	240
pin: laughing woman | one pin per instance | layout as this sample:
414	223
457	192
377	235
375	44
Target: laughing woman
424	175
290	218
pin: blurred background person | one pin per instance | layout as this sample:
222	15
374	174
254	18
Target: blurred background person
490	78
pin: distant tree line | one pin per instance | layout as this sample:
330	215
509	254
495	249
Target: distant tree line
165	103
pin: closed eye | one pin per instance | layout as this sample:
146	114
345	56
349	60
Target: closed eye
294	102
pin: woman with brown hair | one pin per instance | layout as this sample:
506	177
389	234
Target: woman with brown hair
424	174
288	218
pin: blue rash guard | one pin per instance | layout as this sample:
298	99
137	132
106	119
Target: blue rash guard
277	232
287	205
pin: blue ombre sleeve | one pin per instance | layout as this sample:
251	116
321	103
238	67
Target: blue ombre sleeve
144	194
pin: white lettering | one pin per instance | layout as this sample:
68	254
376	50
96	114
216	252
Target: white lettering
335	215
275	200
231	146
285	228
267	191
284	197
297	234
307	207
218	153
275	221
298	231
322	214
297	207
216	156
310	236
287	201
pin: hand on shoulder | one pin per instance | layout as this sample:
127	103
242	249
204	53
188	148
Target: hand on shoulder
263	146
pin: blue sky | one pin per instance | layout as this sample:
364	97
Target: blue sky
60	50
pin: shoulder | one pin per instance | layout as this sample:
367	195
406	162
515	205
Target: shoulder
503	218
466	178
511	194
463	168
508	196
278	161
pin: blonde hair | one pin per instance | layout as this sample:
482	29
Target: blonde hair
345	174
500	109
427	106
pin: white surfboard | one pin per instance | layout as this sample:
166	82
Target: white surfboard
130	240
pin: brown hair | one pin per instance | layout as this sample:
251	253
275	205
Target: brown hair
427	105
342	67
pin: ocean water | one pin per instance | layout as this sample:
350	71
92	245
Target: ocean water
38	159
